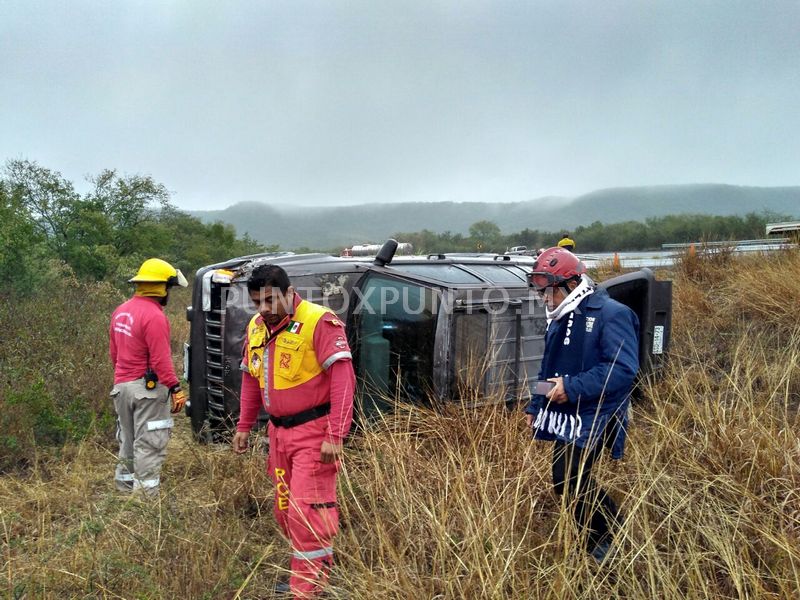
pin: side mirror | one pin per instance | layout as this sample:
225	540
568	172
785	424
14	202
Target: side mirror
386	253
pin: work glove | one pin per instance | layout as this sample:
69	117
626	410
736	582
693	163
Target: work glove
178	400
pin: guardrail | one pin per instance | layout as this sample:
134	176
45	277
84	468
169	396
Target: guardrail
730	243
668	257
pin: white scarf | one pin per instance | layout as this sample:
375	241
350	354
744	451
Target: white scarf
571	302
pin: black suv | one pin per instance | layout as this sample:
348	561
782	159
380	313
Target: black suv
442	327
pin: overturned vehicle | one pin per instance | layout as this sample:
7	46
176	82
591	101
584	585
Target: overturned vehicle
442	327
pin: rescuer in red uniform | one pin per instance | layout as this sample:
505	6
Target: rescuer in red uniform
144	378
297	364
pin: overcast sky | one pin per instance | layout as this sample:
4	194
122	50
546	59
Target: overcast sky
327	102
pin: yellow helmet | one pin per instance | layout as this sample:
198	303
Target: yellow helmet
155	270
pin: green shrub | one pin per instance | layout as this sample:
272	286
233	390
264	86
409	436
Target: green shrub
54	362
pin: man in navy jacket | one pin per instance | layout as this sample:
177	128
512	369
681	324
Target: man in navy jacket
591	357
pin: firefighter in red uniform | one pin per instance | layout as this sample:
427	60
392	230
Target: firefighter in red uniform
144	378
297	364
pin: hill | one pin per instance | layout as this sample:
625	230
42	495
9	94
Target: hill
323	227
638	203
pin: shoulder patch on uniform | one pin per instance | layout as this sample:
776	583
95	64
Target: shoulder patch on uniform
335	322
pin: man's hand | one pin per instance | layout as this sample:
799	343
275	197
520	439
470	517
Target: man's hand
329	452
558	395
240	442
529	420
178	400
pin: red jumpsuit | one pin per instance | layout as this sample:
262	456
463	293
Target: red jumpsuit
308	365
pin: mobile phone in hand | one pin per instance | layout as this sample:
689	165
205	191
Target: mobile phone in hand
543	387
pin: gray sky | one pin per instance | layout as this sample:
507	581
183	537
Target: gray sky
326	102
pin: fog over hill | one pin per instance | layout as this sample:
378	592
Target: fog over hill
324	228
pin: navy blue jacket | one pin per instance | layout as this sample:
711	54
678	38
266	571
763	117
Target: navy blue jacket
598	382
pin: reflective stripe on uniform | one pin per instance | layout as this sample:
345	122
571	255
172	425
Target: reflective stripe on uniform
146	483
162	424
311	555
334	357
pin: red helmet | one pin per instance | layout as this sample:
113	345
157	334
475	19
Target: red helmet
554	267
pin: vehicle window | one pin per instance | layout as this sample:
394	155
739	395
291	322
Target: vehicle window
328	289
519	270
445	273
395	327
497	352
497	273
470	359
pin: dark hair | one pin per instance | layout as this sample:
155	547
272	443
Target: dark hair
268	276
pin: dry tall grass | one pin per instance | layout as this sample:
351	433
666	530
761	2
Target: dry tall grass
457	503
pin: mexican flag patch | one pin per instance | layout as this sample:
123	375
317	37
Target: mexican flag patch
294	327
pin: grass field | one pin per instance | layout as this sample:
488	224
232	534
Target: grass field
448	504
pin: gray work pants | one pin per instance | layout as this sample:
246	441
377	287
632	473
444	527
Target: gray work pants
144	425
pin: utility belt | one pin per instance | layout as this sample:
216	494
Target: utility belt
301	417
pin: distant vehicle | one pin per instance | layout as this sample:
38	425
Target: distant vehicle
520	250
403	248
791	229
442	327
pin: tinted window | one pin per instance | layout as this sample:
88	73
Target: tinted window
395	327
470	357
519	270
498	274
445	273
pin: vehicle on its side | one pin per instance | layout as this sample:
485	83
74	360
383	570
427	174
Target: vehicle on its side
422	328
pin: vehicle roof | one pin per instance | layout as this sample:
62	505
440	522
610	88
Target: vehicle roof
446	270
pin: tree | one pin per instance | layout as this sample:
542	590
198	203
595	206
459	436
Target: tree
21	243
485	234
47	197
130	203
109	230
